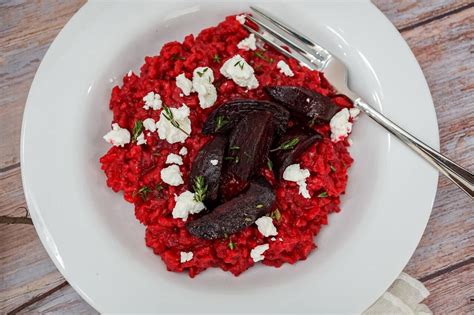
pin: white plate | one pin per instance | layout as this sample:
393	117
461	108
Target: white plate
91	233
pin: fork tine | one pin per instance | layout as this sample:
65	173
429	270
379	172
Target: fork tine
320	51
272	42
288	42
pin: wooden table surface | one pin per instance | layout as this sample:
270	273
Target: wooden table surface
440	34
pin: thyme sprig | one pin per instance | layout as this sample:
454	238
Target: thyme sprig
168	114
287	145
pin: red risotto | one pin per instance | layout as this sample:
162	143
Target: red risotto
203	101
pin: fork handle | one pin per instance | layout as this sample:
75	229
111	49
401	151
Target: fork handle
460	176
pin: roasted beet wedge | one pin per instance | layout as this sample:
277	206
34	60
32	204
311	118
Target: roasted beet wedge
226	117
208	163
285	154
249	144
236	214
303	103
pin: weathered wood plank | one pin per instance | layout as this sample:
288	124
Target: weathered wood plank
443	51
440	46
407	13
25	268
453	293
26	31
64	300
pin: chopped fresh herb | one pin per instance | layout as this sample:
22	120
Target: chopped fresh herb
234	147
232	158
200	74
220	122
240	64
226	235
260	55
287	145
248	219
168	114
216	58
259	206
275	215
137	130
311	123
200	189
159	187
323	194
270	164
332	168
143	192
175	57
231	245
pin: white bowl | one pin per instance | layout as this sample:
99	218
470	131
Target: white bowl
91	233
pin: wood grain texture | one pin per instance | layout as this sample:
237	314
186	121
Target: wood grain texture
408	13
440	33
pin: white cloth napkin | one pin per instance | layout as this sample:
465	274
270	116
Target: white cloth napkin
403	297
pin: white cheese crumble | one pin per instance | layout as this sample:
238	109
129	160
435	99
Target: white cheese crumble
240	18
340	125
237	69
185	256
273	239
129	74
214	162
266	227
184	84
141	139
202	84
174	159
248	43
117	136
294	173
169	132
172	175
285	68
149	124
183	151
152	100
186	205
257	252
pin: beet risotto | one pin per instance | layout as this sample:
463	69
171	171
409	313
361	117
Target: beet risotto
231	153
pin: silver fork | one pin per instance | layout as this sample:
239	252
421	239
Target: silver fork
279	35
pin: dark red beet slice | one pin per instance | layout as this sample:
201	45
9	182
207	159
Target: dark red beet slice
202	166
249	144
236	214
282	158
226	117
303	103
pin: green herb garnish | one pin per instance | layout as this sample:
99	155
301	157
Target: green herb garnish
231	245
248	219
168	114
175	57
260	55
270	164
259	206
216	58
137	130
323	194
240	63
200	74
234	148
220	122
287	145
332	168
143	192
232	158
200	189
275	215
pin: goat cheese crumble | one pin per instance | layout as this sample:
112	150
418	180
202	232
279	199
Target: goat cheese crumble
169	132
152	100
285	68
237	69
266	227
186	205
240	18
257	252
294	173
149	124
183	151
340	124
174	159
172	175
117	136
185	256
184	84
248	43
